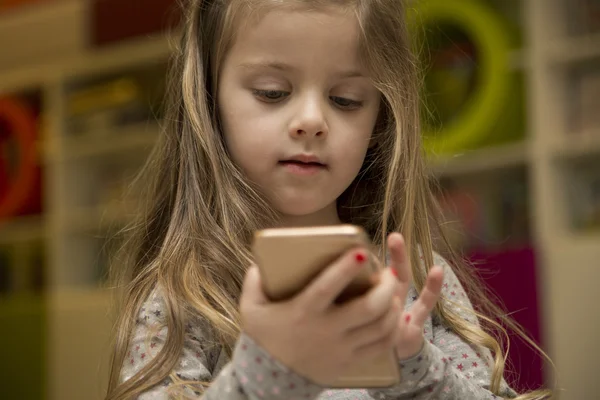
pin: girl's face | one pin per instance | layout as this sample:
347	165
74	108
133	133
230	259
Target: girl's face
298	110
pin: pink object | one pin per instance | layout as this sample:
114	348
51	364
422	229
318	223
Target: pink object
511	274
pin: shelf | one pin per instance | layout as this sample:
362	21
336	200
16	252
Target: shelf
131	53
134	138
25	79
39	34
22	229
79	299
92	62
587	242
501	157
575	50
578	146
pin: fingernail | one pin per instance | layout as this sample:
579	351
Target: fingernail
394	272
360	257
407	318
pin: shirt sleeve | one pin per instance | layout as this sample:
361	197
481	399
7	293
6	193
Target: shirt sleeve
447	368
251	373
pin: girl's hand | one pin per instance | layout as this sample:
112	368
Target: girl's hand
315	337
410	338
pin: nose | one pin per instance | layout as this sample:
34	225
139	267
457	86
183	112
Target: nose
309	119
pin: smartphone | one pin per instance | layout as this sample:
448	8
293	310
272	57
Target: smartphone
290	258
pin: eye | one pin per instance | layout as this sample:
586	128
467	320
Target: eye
270	96
346	104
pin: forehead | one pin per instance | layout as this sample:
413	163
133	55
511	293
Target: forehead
325	36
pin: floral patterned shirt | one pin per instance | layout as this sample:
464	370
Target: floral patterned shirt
446	368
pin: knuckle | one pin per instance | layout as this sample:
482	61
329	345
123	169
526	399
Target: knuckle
363	307
375	307
383	329
344	271
299	315
322	288
386	327
392	321
355	307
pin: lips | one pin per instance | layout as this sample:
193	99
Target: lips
302	163
304	160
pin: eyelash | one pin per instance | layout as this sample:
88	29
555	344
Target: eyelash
263	95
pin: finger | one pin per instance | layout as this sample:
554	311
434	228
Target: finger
378	329
399	262
375	349
399	258
252	291
428	298
378	267
325	288
371	306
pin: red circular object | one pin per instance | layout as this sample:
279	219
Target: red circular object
22	127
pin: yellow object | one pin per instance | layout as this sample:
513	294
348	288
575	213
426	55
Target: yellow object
485	106
105	95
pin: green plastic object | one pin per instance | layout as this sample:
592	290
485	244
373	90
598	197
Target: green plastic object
23	347
493	111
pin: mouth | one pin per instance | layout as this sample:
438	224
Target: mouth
303	168
302	163
304	160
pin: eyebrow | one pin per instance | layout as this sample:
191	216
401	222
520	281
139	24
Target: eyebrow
279	66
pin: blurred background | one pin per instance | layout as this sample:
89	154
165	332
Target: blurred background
512	130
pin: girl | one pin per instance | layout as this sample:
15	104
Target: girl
294	113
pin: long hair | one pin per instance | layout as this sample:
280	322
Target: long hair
194	233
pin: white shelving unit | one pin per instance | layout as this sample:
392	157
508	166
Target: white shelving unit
477	162
131	139
70	229
587	145
570	261
73	234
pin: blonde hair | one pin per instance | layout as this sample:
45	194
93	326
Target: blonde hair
194	234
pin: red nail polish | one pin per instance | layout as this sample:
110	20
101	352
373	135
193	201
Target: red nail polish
407	318
395	272
360	257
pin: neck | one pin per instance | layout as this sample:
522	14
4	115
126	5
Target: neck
323	217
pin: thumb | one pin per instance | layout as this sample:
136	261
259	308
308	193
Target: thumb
252	291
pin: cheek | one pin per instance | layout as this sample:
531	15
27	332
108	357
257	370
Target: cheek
246	134
244	118
232	122
358	131
354	144
245	145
